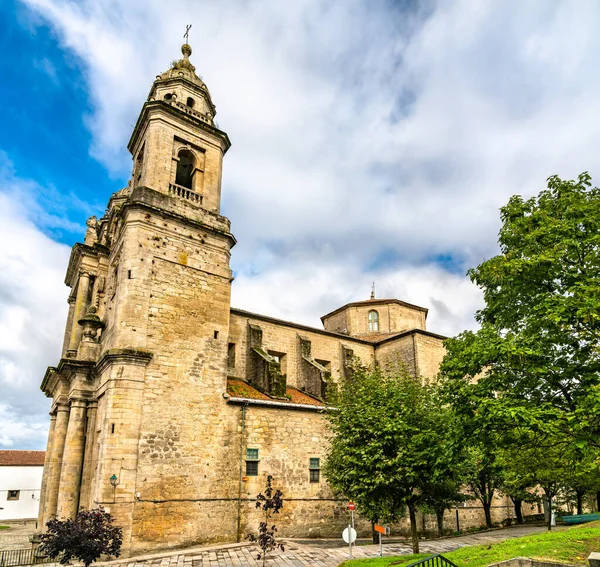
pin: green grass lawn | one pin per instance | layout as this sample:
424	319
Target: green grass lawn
567	546
4	527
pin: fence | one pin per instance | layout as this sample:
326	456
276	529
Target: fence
433	561
14	557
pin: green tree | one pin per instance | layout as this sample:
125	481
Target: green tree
536	357
387	444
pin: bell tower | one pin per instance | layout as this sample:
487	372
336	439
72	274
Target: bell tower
138	408
176	147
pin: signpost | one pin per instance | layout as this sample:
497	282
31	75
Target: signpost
385	530
349	534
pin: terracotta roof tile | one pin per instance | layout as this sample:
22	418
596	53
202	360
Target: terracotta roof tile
299	397
240	389
22	458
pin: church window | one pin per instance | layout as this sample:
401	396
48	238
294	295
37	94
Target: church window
373	321
314	469
231	355
190	102
251	462
185	169
13	495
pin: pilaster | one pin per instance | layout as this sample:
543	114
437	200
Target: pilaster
90	443
46	474
72	462
58	445
81	301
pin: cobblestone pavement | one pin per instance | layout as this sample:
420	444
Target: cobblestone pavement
303	554
17	537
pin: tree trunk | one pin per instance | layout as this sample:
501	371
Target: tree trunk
439	514
412	511
518	504
579	494
487	510
374	534
549	512
598	500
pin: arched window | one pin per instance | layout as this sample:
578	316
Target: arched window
185	169
190	102
168	96
373	320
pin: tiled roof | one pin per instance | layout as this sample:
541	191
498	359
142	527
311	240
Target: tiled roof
22	458
240	389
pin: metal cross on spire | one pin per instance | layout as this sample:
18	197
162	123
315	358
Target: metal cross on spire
373	291
187	32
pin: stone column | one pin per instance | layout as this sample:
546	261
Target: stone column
46	474
72	462
68	326
83	288
90	443
58	445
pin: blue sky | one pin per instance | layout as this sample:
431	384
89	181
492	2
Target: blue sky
372	140
44	136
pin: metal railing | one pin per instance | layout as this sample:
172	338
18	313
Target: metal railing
30	556
436	560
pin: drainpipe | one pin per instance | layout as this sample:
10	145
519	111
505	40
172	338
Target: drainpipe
239	510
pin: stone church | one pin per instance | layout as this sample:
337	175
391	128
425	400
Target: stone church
170	407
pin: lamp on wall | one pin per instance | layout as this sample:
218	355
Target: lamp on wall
114	481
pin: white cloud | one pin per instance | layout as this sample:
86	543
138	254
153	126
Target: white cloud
32	313
369	142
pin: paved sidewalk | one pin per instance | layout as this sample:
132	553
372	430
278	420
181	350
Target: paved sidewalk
311	555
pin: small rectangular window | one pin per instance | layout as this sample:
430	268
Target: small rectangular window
13	494
251	462
314	469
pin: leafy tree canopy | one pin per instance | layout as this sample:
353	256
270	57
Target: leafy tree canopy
391	441
536	358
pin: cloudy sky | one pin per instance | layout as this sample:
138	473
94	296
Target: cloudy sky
372	140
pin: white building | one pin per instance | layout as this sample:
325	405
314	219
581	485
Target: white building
20	484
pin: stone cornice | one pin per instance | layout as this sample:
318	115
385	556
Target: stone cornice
410	332
78	253
46	381
152	200
174	111
371	302
124	356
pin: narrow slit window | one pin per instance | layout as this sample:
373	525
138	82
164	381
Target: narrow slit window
251	462
373	321
314	469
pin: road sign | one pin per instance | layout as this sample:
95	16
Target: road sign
351	506
380	529
349	535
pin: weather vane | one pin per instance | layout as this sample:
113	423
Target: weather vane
187	32
373	291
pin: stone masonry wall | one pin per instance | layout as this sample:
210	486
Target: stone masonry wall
283	339
430	353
